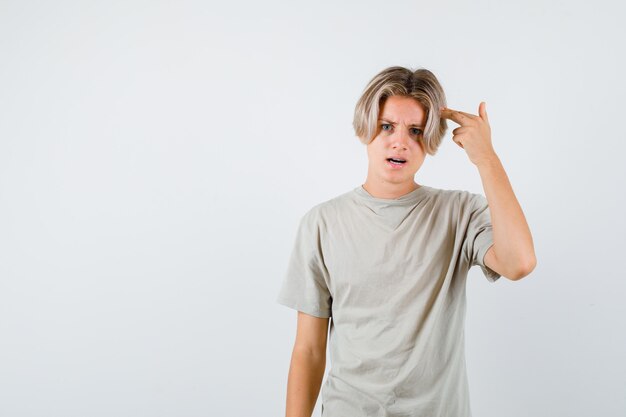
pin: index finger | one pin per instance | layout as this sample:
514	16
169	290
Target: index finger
458	116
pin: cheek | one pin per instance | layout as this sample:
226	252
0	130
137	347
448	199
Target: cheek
419	148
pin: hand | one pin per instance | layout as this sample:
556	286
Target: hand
474	134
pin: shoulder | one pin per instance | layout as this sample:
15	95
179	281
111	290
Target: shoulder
464	195
458	201
454	197
331	207
327	210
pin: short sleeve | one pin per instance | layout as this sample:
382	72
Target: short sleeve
306	282
479	237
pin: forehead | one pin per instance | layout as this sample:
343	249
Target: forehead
402	109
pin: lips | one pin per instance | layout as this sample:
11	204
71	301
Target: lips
396	160
395	165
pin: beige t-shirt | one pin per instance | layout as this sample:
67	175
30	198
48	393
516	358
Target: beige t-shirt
391	273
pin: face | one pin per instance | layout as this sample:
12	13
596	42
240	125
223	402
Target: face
400	133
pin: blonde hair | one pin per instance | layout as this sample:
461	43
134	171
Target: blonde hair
421	84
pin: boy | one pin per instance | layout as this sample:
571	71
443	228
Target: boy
387	261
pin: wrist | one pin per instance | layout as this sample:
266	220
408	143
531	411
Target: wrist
488	161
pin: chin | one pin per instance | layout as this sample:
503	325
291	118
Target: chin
397	179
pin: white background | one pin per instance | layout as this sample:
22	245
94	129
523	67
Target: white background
156	157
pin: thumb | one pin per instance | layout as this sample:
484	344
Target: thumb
482	111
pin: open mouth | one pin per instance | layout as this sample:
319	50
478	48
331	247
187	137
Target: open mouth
396	161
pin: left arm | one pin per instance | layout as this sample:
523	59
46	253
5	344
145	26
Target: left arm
512	254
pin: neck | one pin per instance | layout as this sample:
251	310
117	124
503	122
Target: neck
389	190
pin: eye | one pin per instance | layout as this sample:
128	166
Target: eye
417	131
385	124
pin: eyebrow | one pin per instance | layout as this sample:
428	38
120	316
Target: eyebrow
394	123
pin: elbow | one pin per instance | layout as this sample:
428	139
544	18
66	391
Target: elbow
525	269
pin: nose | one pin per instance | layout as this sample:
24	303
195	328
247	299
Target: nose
400	139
